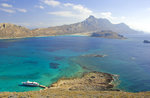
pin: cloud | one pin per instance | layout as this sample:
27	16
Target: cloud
76	11
39	6
82	9
51	2
107	15
11	9
68	4
63	13
21	10
123	17
79	8
80	12
6	5
7	10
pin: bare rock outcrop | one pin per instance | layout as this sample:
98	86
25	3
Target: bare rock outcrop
93	81
13	31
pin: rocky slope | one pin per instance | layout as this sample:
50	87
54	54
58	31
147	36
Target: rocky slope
13	31
93	81
91	85
57	93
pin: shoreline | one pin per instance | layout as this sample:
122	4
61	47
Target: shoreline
108	80
79	87
77	34
97	81
88	34
40	36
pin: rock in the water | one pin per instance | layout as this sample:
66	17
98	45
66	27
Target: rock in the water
54	65
58	58
146	41
94	55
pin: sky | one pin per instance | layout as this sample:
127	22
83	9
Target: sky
46	13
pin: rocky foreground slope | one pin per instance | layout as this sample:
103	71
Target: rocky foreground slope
56	93
91	85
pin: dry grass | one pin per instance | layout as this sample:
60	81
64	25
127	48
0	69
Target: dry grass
57	93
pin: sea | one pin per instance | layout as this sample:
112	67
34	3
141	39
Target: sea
48	59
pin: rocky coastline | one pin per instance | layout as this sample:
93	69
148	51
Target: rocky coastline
90	85
91	81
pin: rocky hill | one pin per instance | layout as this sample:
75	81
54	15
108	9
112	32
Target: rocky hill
13	31
86	27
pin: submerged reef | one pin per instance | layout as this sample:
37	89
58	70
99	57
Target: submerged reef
54	65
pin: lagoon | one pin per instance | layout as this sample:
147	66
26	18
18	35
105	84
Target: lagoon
35	59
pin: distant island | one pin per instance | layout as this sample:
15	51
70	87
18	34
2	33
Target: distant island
146	41
107	34
88	27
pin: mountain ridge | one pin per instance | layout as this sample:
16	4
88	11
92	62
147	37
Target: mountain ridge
89	25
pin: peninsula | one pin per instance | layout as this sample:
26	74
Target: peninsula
90	85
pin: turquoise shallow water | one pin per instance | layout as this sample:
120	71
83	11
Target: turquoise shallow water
47	59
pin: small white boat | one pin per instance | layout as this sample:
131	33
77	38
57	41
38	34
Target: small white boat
29	83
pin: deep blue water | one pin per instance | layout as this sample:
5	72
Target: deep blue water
47	59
